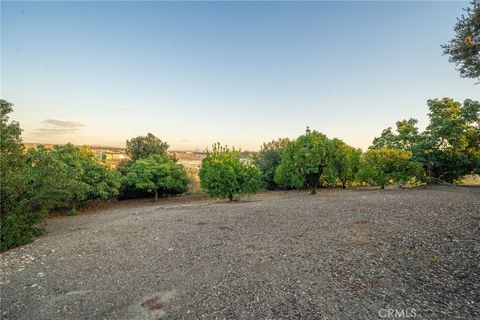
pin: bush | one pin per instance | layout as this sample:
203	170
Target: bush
145	146
344	164
27	191
304	160
224	175
156	175
88	179
268	159
385	166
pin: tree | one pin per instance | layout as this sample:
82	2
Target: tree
144	146
158	175
89	179
224	175
268	159
30	185
449	148
345	162
304	160
464	49
385	166
405	137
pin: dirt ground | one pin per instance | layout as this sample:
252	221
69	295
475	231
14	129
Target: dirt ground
341	254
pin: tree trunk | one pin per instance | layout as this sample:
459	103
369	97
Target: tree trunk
156	194
230	197
344	185
383	186
314	188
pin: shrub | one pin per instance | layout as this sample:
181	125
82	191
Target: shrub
304	160
144	146
385	166
158	175
224	175
268	159
344	163
89	179
28	189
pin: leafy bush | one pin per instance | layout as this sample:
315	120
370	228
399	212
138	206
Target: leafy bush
88	178
224	175
449	148
144	146
268	159
304	160
158	175
385	166
344	163
31	185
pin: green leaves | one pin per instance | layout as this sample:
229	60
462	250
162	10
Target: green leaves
157	174
223	174
303	160
143	147
449	148
385	166
464	49
268	159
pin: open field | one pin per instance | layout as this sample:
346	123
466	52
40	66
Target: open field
342	254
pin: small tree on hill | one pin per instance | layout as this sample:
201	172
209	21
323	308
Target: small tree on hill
224	175
384	166
144	146
268	159
464	49
157	175
304	160
345	162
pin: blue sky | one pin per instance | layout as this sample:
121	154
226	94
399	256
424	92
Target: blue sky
194	73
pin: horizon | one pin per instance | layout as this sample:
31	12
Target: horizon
194	73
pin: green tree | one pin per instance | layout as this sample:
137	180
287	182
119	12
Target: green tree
30	185
449	148
143	147
344	163
304	160
268	159
158	175
405	137
385	166
464	49
89	178
224	175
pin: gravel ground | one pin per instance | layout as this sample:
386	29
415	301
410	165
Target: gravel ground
341	254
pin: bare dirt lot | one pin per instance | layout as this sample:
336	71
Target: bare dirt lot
341	254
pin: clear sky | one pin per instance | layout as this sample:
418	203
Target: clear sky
194	73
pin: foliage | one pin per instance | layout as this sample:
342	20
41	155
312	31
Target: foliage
385	166
157	174
268	159
304	160
89	179
31	185
449	148
18	223
464	49
344	163
143	147
224	175
405	137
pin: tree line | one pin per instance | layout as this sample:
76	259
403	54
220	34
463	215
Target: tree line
40	180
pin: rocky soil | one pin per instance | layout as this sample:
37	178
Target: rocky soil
341	254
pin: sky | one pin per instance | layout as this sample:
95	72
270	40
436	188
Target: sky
194	73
